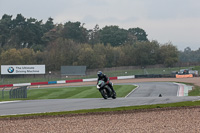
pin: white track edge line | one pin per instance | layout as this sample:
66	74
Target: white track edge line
132	90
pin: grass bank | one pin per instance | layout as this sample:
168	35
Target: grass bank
76	92
70	92
195	91
118	109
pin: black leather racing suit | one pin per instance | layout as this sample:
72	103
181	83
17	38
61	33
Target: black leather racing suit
106	80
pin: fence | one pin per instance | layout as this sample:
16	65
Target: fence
89	73
73	70
14	93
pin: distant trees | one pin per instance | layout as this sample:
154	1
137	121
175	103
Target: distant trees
29	41
19	32
11	56
67	52
169	54
148	53
138	34
117	36
5	28
17	57
189	55
94	35
75	31
113	35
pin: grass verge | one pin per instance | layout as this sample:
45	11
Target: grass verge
195	91
76	92
70	92
100	110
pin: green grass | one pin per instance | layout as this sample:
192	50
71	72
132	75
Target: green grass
75	92
195	91
71	92
6	95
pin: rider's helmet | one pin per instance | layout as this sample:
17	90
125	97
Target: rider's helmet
100	74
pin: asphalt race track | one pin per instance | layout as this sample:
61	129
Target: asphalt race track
154	89
145	94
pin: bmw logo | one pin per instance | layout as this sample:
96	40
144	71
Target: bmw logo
10	69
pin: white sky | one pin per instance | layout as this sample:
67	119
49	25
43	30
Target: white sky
176	21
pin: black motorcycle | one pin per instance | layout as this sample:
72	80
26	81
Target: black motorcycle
105	90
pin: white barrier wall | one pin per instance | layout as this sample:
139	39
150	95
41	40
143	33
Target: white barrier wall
126	77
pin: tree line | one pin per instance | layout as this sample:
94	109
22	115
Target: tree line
29	41
189	56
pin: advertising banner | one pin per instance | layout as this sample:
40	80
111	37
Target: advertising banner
184	76
22	69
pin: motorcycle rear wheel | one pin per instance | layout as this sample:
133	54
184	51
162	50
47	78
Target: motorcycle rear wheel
114	95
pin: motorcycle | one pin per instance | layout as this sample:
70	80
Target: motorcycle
105	90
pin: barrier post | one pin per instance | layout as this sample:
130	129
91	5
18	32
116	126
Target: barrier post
3	92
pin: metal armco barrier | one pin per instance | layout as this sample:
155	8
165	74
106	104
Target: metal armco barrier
20	92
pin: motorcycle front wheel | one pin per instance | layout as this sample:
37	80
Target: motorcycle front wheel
104	94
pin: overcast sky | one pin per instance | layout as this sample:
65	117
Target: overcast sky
176	21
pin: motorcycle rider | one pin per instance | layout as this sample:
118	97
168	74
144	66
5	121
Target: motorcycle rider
103	77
